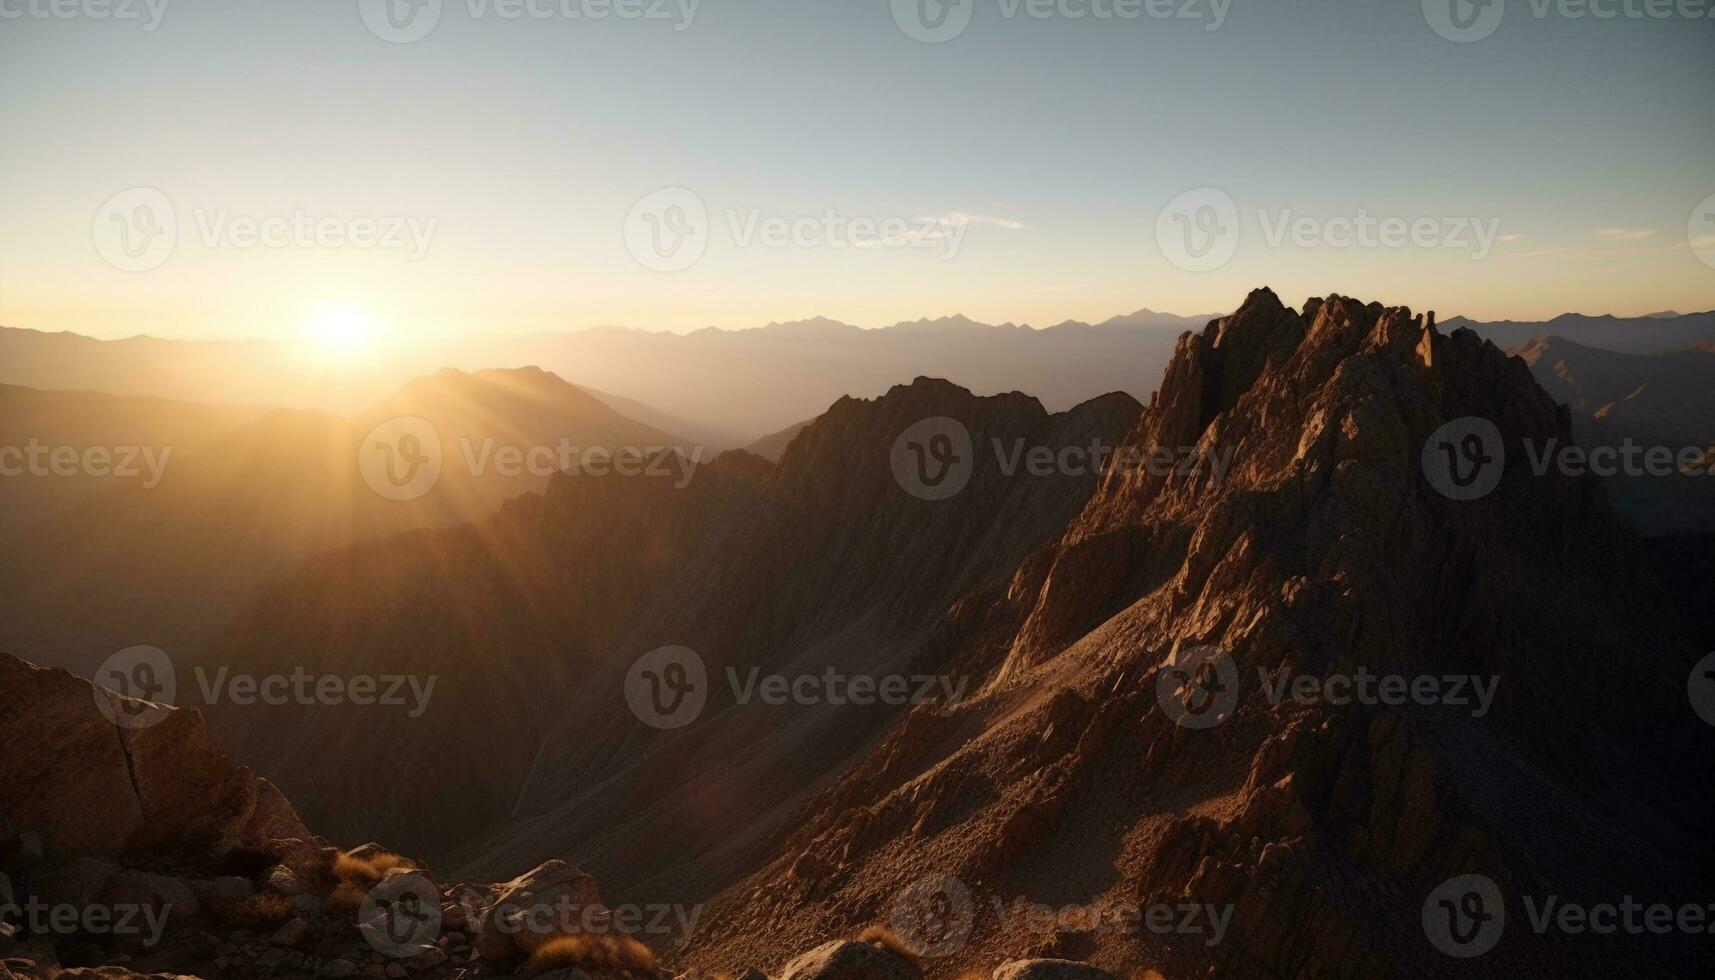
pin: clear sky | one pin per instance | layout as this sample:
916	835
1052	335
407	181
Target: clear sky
1047	148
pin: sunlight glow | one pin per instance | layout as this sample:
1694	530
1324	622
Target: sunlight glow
341	331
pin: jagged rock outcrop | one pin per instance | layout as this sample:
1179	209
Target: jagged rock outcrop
1321	550
141	851
80	784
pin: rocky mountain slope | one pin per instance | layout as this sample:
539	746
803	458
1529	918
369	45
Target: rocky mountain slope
1323	828
531	621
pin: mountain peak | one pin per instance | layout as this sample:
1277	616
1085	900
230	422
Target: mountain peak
813	324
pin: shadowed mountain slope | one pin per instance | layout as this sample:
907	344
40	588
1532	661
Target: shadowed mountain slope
532	621
169	565
1324	827
1635	403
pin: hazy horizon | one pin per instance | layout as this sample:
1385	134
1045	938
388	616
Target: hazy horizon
1030	169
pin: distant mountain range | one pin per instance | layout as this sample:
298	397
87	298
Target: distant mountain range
719	388
1656	399
1656	333
726	388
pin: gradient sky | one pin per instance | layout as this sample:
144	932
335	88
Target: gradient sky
528	142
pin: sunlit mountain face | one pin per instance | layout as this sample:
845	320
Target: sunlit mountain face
605	490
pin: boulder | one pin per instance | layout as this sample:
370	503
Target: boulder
1049	970
295	931
286	881
307	903
88	786
529	909
845	959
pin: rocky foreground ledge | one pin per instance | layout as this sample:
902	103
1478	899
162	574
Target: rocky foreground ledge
130	846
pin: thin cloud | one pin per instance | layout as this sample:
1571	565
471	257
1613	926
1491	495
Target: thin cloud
935	228
1625	234
983	219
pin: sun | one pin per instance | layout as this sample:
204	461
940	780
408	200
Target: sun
341	331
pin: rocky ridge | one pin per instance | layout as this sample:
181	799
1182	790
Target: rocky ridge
1321	826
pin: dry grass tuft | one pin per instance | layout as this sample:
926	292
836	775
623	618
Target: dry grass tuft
613	954
347	896
350	868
